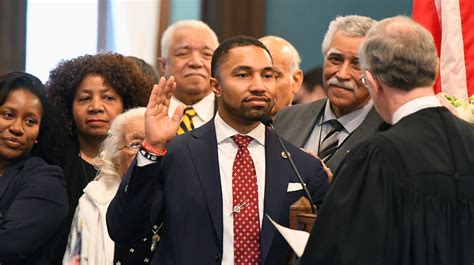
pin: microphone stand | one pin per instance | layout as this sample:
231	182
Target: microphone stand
268	122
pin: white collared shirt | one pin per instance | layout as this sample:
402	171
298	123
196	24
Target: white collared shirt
226	151
413	106
350	123
204	109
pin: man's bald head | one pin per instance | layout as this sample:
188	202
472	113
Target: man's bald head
288	74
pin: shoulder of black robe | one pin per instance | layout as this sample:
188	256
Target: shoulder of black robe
351	227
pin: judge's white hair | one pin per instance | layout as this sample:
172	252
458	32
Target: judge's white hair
400	53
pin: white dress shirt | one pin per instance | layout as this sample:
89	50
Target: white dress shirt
413	106
204	109
226	151
350	123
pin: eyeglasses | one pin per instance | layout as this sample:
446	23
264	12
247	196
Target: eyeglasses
134	145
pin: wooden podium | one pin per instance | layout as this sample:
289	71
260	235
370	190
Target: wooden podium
301	218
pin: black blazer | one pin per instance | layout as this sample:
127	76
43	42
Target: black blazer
186	183
33	205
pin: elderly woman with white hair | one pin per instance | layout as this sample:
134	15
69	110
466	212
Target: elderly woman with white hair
89	242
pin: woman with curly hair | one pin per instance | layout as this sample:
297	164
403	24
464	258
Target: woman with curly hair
33	200
90	91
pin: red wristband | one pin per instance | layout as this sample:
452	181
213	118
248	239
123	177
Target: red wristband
150	149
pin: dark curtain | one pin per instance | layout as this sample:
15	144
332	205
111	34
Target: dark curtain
12	35
230	18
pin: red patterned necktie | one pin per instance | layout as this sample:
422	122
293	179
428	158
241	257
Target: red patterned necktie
245	201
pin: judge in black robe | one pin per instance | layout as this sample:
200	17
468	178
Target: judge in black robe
405	196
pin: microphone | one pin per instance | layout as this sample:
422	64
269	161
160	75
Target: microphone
267	121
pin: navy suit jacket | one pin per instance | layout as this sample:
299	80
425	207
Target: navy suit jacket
33	206
185	187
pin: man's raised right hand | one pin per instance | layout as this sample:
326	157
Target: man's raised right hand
159	127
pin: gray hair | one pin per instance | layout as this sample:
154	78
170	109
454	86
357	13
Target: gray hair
351	26
400	53
110	148
167	37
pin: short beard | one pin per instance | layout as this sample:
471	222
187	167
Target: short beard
248	114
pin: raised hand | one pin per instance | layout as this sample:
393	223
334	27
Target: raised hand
159	127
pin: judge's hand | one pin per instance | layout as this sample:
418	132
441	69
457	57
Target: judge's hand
326	168
159	127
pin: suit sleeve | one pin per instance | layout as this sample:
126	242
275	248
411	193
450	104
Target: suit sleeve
319	184
128	215
36	214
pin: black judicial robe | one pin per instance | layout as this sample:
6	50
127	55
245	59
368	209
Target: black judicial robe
405	196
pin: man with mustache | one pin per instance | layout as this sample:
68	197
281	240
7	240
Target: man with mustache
331	127
186	51
216	184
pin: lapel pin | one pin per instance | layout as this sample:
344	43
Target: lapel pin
285	155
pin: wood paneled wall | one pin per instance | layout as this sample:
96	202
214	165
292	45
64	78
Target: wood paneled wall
12	35
230	18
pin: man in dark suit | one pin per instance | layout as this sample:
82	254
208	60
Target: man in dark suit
348	99
406	194
211	191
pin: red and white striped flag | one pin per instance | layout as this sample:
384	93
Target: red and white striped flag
452	24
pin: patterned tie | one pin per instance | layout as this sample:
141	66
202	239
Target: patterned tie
329	144
187	124
245	201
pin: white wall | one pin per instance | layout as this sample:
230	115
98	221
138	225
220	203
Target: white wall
65	29
58	30
135	28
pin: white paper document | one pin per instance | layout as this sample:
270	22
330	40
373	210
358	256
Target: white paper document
296	239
